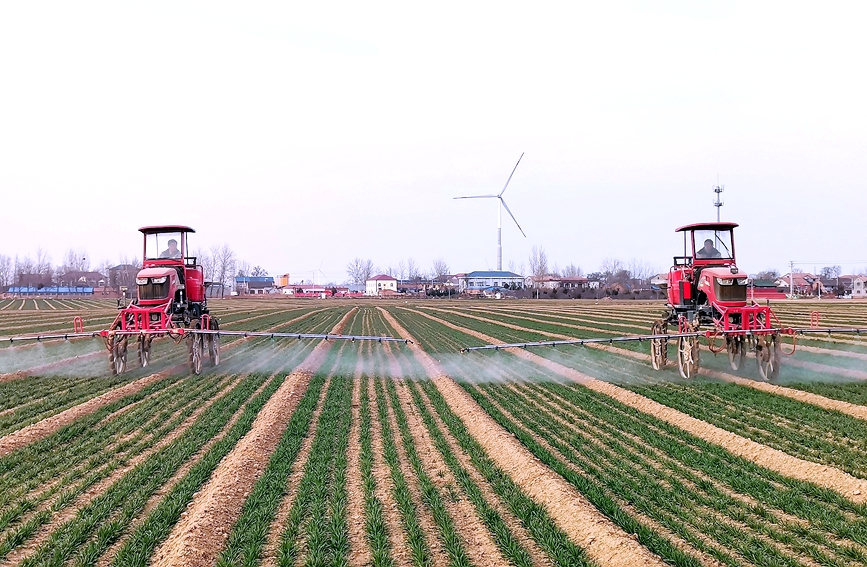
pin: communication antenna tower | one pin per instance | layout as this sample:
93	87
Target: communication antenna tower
718	189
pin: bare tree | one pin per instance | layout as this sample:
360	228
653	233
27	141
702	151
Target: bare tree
224	264
771	274
640	271
359	271
538	263
6	272
43	265
242	268
611	269
440	268
831	271
413	272
207	261
258	272
572	271
401	270
74	261
23	266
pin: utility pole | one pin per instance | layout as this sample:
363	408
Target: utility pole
791	278
718	202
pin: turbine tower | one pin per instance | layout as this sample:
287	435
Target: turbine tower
500	205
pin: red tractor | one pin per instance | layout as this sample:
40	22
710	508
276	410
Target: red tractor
170	301
706	289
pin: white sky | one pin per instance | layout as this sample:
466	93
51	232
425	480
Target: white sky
306	134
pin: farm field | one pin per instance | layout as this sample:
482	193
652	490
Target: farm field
363	453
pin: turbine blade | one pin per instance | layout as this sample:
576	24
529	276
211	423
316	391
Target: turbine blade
510	177
478	197
503	201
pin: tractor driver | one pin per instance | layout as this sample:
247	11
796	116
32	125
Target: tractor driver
173	252
708	250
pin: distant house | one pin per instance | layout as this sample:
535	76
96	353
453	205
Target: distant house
556	282
92	279
802	283
478	280
254	285
859	287
380	285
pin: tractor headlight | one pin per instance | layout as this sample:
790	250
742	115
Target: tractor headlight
141	281
160	280
743	281
726	281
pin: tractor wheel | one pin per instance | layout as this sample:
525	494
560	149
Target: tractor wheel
214	344
737	349
196	348
144	350
768	356
687	357
659	347
117	355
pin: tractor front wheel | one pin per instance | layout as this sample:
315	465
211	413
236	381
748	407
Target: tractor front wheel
768	356
195	347
214	344
144	350
117	355
687	357
736	347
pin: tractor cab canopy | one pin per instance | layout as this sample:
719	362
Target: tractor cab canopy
708	244
166	242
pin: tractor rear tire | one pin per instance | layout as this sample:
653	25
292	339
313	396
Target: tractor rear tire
659	347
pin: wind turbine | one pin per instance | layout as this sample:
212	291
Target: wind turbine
500	205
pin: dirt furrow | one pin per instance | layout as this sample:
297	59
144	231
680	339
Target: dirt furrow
787	465
384	487
439	558
513	522
603	541
201	535
272	544
359	548
480	547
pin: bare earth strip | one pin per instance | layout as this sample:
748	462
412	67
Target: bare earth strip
480	547
201	535
787	465
359	548
269	553
848	408
603	541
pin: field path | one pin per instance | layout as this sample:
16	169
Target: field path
603	541
200	536
845	484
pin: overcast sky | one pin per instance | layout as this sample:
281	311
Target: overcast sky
306	134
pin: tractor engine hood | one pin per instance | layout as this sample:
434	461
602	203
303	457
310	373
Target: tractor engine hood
156	285
157	273
725	285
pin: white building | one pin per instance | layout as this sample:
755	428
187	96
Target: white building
482	279
859	287
378	284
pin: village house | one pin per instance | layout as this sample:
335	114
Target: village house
380	285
